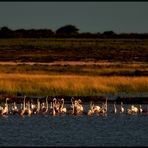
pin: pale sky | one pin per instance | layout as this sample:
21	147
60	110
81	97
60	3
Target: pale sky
86	16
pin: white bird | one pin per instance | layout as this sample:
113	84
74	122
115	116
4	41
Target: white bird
38	105
132	109
54	107
90	111
62	108
72	105
26	108
47	106
33	108
44	106
81	107
95	108
29	111
14	108
23	111
5	108
104	108
115	108
140	109
121	108
1	109
77	107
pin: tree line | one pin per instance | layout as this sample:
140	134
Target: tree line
67	31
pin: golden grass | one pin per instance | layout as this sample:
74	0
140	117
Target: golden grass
76	68
69	85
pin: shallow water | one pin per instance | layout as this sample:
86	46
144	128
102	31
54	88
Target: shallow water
69	130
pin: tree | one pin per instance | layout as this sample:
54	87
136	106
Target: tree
5	32
67	30
109	34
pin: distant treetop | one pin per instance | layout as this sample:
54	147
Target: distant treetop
68	29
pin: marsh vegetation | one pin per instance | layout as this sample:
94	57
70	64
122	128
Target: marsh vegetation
55	49
73	67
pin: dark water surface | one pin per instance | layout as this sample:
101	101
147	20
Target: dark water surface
69	130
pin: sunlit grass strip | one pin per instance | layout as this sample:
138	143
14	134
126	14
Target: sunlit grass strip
69	85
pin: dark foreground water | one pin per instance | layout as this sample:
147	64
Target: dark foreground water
69	130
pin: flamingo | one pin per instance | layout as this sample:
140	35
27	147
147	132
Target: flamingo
54	111
95	108
29	111
140	109
38	105
44	106
76	106
90	111
47	106
51	105
121	108
1	109
62	108
115	108
104	108
33	108
81	107
14	108
133	109
23	108
72	106
5	108
55	107
26	108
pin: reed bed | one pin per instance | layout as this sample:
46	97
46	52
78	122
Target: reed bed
69	85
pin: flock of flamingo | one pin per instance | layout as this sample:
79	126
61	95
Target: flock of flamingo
57	107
